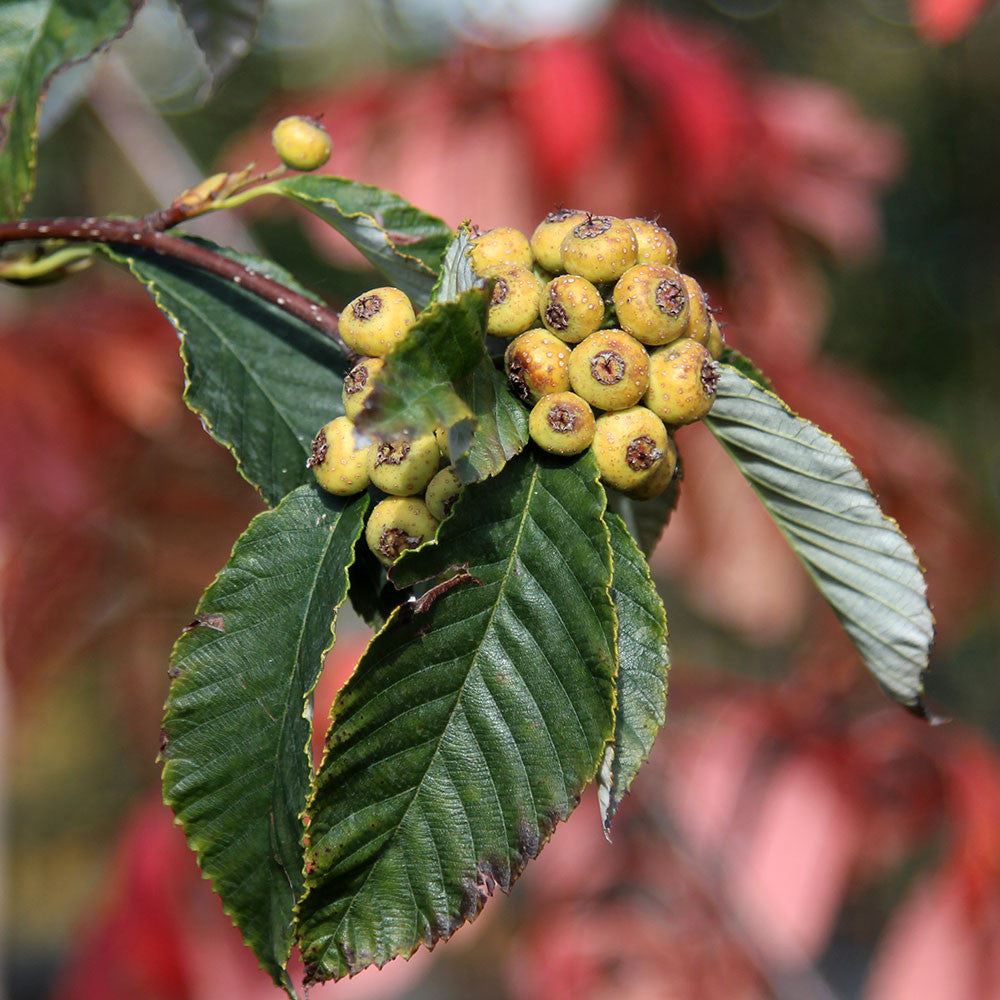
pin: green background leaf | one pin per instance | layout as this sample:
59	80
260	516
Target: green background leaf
858	557
236	734
468	729
643	664
223	29
403	242
262	381
37	38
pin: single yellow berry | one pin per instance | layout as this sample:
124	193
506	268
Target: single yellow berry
699	314
571	308
683	379
549	234
601	248
339	464
536	364
442	492
562	423
397	524
500	247
651	303
358	385
654	244
441	436
404	466
630	446
374	323
609	369
716	341
514	302
301	142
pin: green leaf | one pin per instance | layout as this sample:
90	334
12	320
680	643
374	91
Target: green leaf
262	381
472	723
235	749
37	39
643	664
414	392
647	519
456	275
223	29
404	243
857	556
730	356
373	597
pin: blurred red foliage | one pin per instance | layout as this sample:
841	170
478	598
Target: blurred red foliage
944	21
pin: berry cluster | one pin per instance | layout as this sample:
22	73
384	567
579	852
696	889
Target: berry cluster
622	332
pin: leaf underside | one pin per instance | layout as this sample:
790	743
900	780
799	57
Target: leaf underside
470	727
235	754
857	556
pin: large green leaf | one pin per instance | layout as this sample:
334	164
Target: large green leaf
403	242
223	29
236	764
38	38
414	391
857	556
643	663
471	725
262	381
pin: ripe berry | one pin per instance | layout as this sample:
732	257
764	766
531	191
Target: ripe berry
651	303
571	308
610	370
601	248
562	423
536	364
514	303
654	244
501	247
374	323
301	142
404	466
699	314
551	231
441	436
630	446
682	382
340	466
662	476
358	385
442	492
397	524
716	341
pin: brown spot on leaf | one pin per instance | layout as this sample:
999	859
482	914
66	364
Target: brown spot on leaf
216	621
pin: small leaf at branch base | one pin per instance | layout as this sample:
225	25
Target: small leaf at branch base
643	664
858	557
236	763
469	729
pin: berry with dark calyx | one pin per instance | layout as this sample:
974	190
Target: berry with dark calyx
683	378
500	247
654	244
601	248
699	314
358	385
514	302
609	369
549	234
404	466
630	446
652	304
301	142
571	308
442	492
661	478
340	466
536	364
716	341
397	524
374	323
562	423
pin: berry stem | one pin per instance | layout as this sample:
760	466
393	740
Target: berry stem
147	233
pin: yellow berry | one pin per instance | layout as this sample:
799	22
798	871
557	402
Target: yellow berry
651	303
301	143
699	314
397	524
662	476
514	303
562	423
536	364
571	308
404	466
630	446
610	370
601	248
683	379
500	247
549	234
358	385
340	466
654	244
442	492
374	323
716	342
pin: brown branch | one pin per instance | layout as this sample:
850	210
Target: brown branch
146	233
